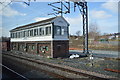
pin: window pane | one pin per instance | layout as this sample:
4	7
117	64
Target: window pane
47	31
33	47
23	33
11	35
40	48
18	34
62	32
31	32
46	47
34	32
40	30
58	30
15	35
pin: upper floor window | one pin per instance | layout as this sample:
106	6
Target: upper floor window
23	33
48	30
31	32
11	35
28	33
15	35
42	31
35	32
18	34
58	30
62	32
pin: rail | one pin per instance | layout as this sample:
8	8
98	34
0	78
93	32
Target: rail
91	75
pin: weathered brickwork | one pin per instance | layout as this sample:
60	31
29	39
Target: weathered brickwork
60	49
43	48
5	46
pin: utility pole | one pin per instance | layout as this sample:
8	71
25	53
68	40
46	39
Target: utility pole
82	6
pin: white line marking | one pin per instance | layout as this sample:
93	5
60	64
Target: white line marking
14	72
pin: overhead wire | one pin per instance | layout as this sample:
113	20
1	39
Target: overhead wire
29	15
6	6
45	14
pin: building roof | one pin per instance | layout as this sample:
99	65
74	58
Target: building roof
43	21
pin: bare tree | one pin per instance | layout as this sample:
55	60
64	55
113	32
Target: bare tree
94	30
78	33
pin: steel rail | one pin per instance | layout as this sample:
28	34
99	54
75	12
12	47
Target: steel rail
91	76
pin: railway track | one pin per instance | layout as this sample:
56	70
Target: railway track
64	70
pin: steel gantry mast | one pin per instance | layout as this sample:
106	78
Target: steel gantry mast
84	11
83	8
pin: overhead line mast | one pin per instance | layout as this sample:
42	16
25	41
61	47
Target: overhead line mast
82	6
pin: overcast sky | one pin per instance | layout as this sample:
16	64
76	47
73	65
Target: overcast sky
104	14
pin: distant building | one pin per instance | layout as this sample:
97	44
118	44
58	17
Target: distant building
48	38
4	44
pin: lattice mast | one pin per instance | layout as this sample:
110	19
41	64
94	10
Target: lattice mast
82	6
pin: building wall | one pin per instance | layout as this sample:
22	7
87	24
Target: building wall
5	46
60	49
54	44
44	48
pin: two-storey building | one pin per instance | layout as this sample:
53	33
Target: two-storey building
48	37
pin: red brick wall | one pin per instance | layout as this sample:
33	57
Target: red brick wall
43	48
5	46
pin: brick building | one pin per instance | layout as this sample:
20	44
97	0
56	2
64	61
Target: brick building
4	44
49	37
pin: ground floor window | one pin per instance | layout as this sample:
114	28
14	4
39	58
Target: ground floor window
43	48
33	47
46	47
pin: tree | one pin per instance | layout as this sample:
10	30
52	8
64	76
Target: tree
94	32
78	33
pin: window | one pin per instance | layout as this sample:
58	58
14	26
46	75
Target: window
35	32
18	34
11	35
15	35
48	30
23	33
62	32
23	47
46	47
40	48
28	33
29	47
40	31
31	32
58	30
33	47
